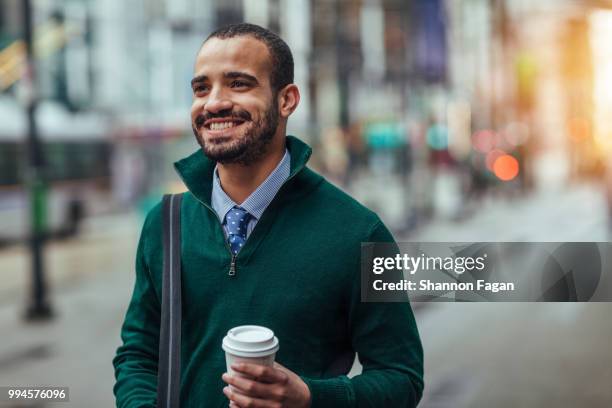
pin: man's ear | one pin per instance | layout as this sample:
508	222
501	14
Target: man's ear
288	100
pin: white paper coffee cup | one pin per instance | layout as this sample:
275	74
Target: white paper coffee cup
249	344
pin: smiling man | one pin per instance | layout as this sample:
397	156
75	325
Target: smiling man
291	264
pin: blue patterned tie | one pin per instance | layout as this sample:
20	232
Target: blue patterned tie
236	221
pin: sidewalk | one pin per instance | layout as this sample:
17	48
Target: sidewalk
70	261
508	355
90	281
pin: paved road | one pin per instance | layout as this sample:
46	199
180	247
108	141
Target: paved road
575	214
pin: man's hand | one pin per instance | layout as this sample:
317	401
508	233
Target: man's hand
265	387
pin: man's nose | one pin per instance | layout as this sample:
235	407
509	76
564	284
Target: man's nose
217	101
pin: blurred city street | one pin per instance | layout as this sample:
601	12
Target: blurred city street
454	120
476	355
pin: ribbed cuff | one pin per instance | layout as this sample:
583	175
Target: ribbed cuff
334	392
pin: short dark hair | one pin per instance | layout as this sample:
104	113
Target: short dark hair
282	59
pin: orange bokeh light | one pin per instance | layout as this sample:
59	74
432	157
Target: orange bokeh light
506	167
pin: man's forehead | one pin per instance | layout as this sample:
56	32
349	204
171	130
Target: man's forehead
242	53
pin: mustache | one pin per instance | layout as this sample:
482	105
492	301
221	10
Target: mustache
226	114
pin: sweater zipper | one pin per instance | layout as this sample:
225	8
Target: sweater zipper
232	269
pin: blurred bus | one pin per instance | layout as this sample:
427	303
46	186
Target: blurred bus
77	149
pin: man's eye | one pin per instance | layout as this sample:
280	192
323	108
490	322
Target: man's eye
200	89
238	84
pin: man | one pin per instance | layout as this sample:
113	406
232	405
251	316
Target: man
266	241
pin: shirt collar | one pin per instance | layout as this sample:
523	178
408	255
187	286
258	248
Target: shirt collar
259	199
196	170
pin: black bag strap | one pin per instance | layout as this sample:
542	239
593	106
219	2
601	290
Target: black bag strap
169	364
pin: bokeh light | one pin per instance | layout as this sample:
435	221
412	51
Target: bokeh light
506	167
484	141
437	137
601	47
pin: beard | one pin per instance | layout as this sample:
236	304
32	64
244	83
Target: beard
249	147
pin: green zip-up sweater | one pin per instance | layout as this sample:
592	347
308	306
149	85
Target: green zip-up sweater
298	274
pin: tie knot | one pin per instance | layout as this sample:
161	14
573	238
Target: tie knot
237	220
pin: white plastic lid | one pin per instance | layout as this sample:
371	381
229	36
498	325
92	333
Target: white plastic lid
250	341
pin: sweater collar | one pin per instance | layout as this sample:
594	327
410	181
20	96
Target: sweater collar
196	170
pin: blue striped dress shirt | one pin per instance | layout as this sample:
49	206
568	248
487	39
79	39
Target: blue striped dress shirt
259	199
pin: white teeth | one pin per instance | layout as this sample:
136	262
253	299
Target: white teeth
221	125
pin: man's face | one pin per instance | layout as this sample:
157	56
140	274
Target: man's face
234	114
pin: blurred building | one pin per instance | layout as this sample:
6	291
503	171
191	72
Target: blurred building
428	92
